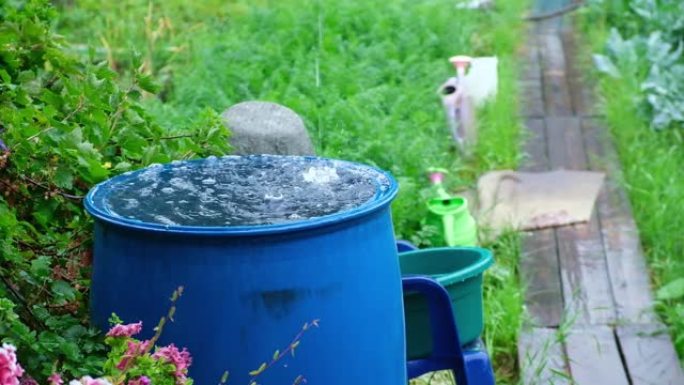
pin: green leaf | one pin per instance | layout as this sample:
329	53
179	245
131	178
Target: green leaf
64	178
151	154
63	291
40	267
44	211
103	71
605	65
147	83
133	145
5	76
672	290
122	166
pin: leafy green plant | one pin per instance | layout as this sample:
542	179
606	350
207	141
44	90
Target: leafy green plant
128	362
645	44
658	15
641	17
657	62
65	124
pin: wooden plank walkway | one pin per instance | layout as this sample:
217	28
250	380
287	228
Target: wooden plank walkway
588	294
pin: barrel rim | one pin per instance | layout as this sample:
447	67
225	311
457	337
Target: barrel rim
381	199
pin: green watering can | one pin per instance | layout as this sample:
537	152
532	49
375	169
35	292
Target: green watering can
450	215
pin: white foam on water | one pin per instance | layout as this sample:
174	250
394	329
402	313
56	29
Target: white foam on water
320	175
274	197
236	190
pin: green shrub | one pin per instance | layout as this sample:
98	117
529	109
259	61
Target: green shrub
65	124
645	47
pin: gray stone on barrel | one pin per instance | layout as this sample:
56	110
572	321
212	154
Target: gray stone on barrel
266	128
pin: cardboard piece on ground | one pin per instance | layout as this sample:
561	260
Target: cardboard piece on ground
528	201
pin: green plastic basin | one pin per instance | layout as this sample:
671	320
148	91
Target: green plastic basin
459	270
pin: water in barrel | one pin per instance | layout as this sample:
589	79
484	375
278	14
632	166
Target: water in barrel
241	191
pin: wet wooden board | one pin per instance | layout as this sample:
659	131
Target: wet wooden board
581	95
533	100
541	358
540	274
584	272
649	355
530	83
539	261
594	356
565	146
556	94
531	67
626	263
536	158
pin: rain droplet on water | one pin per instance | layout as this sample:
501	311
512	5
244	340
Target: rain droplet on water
242	190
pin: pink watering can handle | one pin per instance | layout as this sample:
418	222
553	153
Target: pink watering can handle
461	64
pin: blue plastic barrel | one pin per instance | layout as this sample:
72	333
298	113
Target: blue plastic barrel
250	289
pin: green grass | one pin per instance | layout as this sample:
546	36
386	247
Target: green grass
652	174
363	74
503	302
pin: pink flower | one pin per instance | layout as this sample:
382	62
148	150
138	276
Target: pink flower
10	370
55	379
125	330
87	380
142	380
181	359
135	349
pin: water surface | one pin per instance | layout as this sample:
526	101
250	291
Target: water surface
242	190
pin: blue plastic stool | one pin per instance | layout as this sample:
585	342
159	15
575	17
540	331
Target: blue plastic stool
471	364
405	246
